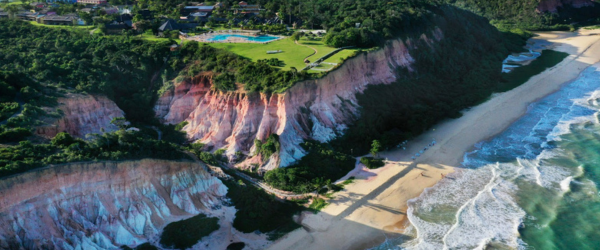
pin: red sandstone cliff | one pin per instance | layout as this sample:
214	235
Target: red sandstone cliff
82	115
315	109
553	5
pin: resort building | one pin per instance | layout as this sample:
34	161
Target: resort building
91	1
245	8
194	9
59	20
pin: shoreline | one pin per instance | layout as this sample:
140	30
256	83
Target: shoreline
374	208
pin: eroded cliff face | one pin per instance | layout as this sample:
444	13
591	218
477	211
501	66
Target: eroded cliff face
553	5
102	205
82	115
316	109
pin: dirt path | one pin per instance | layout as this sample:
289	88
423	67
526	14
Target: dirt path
316	51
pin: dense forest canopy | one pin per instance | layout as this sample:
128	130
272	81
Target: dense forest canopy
367	23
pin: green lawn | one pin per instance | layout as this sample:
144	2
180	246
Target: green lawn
317	44
153	38
67	27
342	55
293	55
11	3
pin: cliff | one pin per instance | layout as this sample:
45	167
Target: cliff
316	109
102	205
553	5
81	115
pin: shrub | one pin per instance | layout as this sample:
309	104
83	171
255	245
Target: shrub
62	140
372	163
186	233
268	148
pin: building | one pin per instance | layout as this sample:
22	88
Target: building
86	10
3	14
62	1
245	8
91	1
193	9
37	5
27	16
170	24
110	10
59	20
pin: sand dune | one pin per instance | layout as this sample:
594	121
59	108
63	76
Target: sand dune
374	207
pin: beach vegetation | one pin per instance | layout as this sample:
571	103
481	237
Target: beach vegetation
375	148
184	234
372	163
259	211
317	204
236	246
321	164
520	75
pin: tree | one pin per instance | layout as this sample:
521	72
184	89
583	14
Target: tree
12	10
375	148
120	122
297	35
62	139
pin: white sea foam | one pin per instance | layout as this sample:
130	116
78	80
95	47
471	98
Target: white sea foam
475	206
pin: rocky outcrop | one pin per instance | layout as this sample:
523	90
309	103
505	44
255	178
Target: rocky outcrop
81	115
553	5
102	205
317	109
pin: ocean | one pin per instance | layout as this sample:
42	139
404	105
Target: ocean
534	186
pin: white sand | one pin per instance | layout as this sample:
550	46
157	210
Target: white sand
373	208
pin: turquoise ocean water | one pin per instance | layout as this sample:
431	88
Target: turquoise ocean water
534	186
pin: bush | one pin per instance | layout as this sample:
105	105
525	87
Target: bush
268	148
7	109
14	134
257	210
317	204
321	163
186	233
62	140
372	163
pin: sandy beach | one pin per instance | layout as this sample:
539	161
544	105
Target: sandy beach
374	206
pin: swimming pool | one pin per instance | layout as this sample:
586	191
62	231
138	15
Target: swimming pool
225	37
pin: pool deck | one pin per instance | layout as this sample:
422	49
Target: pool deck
205	38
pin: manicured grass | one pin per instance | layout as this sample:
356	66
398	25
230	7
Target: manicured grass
67	27
293	55
186	233
317	44
153	38
520	75
342	55
11	3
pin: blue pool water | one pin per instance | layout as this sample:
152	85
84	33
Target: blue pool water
262	39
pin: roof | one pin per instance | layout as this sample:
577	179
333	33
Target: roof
59	18
200	8
198	14
170	24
